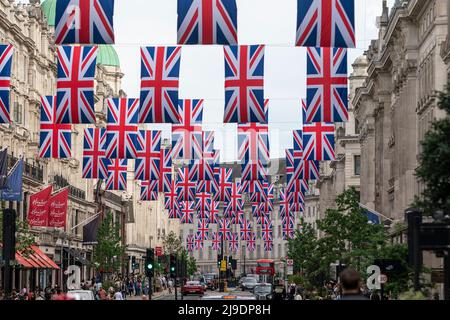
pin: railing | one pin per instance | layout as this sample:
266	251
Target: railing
61	182
30	170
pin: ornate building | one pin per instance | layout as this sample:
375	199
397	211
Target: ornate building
396	104
29	27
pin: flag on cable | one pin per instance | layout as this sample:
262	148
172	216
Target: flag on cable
187	137
202	215
121	128
326	23
225	229
187	210
203	201
185	187
95	163
216	241
190	242
244	84
288	224
267	206
234	243
326	85
253	142
117	175
294	167
311	170
224	178
318	140
198	242
84	22
298	143
148	154
251	242
214	212
171	203
55	139
160	73
285	203
6	55
208	186
14	182
236	203
149	190
263	219
203	169
268	246
246	229
267	231
75	84
207	22
165	170
203	229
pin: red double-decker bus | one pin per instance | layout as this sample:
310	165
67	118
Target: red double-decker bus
265	267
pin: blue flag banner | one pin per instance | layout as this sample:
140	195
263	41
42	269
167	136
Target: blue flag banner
372	217
13	192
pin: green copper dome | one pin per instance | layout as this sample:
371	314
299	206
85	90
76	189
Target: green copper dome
107	55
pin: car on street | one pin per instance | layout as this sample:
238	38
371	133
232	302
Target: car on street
212	280
228	297
193	287
263	291
81	295
248	283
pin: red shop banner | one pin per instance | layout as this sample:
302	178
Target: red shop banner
58	209
38	212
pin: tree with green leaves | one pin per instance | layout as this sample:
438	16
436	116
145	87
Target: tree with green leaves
434	163
191	266
109	251
172	244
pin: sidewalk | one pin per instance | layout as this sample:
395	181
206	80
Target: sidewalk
155	296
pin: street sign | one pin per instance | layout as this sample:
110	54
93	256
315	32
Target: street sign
290	262
223	266
290	270
383	278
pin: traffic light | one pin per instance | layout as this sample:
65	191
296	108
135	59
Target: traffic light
150	263
172	266
219	260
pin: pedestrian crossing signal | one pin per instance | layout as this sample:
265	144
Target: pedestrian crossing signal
149	262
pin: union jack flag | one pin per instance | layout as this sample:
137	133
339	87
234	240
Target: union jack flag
148	155
95	163
326	23
294	166
267	206
297	200
187	136
207	186
251	242
244	84
267	231
84	22
214	212
6	54
207	22
246	229
256	209
208	145
190	242
318	140
251	171
149	190
203	229
216	241
326	90
203	215
198	242
175	214
268	246
203	169
56	138
253	142
288	224
225	229
236	203
286	208
256	189
160	73
185	187
187	210
235	217
224	178
311	170
121	129
203	201
75	84
165	170
298	143
117	175
234	242
263	219
171	201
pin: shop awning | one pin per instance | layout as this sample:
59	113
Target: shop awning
34	258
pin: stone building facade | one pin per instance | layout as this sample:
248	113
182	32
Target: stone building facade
29	27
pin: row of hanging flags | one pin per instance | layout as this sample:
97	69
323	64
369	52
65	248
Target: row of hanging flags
325	27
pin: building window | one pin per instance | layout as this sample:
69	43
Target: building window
357	129
357	160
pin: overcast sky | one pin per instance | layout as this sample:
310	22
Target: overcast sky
271	22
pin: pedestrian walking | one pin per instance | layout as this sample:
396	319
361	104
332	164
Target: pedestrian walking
351	285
